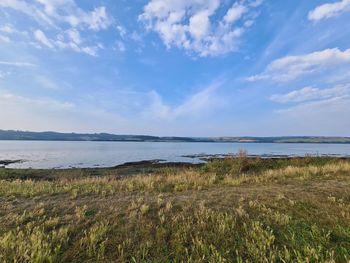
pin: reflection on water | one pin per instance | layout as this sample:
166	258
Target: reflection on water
42	154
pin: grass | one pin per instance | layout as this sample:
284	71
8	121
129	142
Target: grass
236	209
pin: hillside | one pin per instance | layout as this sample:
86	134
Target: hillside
56	136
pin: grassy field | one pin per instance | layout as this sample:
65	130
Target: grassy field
230	210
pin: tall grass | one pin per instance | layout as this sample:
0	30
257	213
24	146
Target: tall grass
221	173
233	210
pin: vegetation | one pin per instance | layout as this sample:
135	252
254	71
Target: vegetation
237	209
56	136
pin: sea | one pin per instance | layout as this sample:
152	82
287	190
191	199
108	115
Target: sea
87	154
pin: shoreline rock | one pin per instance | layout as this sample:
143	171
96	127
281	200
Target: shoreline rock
4	163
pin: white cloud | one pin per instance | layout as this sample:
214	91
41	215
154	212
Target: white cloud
187	24
235	13
56	16
329	10
310	93
41	37
291	67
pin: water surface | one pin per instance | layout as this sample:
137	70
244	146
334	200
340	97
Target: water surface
54	154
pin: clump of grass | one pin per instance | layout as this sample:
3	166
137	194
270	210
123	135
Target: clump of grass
94	240
33	243
240	163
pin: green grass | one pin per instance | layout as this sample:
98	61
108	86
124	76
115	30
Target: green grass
230	210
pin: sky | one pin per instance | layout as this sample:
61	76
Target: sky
176	67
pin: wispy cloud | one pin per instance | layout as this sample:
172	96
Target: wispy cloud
41	37
4	74
316	110
28	9
9	68
56	16
17	64
311	93
7	29
8	98
320	117
199	104
330	109
53	13
5	39
291	67
46	83
329	10
10	30
47	113
69	40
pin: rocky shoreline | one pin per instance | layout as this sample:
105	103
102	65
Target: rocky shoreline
161	163
4	163
207	157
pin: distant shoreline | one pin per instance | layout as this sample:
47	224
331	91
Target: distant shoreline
170	141
12	135
179	141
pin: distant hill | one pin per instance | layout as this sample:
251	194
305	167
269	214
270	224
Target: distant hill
56	136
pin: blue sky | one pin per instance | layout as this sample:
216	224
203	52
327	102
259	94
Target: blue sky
184	67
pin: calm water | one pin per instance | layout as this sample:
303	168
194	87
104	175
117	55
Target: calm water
42	154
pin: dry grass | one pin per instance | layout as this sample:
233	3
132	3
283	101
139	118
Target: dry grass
234	210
